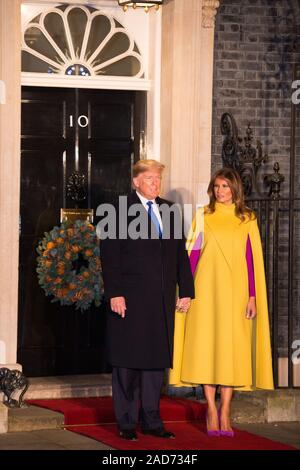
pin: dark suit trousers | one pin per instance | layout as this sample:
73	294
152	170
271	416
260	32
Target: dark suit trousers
135	391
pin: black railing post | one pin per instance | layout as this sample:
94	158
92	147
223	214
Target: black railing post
291	238
274	182
275	312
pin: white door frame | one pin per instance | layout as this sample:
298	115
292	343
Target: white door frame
147	28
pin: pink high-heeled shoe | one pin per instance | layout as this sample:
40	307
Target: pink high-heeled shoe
211	433
224	433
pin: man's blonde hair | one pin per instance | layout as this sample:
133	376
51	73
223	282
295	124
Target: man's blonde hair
146	165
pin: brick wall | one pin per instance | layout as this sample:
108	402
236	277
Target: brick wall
256	44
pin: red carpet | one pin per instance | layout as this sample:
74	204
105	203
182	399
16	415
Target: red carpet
94	417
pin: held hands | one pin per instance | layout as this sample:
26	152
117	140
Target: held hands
251	309
182	305
118	305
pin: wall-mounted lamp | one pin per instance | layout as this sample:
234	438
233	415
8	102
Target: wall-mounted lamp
145	4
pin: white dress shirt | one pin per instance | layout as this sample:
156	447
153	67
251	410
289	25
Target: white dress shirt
154	207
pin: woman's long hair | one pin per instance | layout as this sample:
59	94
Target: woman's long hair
235	184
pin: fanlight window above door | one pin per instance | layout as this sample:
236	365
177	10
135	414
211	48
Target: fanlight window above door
82	41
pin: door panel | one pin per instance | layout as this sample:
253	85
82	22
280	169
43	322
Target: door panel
107	121
41	190
39	124
109	145
56	340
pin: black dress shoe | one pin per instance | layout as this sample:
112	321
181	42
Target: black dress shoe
159	432
128	434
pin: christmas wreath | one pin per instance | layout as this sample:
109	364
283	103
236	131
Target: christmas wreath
68	264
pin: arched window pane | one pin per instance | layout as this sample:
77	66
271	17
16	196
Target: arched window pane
99	30
56	29
35	39
118	44
127	67
30	63
77	20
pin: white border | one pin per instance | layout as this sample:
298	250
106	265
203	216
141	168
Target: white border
67	81
146	28
65	61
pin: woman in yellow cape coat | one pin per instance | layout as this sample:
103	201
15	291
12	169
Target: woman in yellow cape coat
215	343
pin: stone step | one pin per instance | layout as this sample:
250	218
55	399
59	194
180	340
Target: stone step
279	405
69	386
255	407
33	418
244	411
261	406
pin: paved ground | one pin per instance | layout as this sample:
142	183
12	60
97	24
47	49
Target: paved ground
288	433
51	439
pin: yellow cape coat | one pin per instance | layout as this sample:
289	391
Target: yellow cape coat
214	343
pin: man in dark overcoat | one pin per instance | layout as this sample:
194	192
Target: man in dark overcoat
141	270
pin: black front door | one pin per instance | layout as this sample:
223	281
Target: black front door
63	130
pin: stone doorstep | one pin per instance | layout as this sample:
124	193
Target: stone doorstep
243	411
69	386
68	392
279	405
33	418
3	418
247	407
